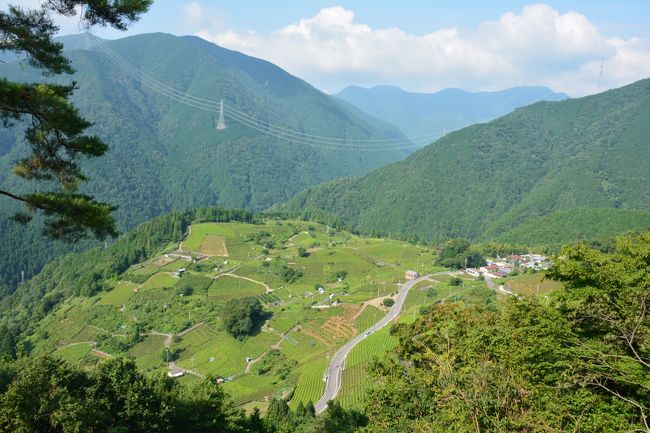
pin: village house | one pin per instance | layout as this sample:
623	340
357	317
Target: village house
411	275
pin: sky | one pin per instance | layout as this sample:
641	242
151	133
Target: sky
578	47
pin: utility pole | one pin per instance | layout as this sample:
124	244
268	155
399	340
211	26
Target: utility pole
221	122
600	73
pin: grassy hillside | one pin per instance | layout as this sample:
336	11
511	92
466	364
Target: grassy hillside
129	300
589	152
417	114
165	155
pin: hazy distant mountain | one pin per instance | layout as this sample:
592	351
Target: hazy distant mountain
166	155
497	180
416	114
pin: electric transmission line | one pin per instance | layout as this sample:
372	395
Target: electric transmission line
276	131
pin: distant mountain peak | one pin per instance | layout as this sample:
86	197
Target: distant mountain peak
433	114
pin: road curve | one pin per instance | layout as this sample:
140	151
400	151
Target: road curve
335	368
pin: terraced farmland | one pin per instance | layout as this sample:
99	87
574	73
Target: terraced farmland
312	281
310	385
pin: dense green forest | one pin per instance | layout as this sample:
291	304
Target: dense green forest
427	116
164	155
484	181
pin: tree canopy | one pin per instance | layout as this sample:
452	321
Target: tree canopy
54	129
579	361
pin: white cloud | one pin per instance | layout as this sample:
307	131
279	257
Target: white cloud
535	46
193	13
67	25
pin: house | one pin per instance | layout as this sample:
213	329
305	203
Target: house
321	290
489	268
473	272
180	272
411	275
175	372
514	258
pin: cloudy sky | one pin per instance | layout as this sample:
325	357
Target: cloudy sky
423	45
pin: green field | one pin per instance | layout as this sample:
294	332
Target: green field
310	384
119	294
368	317
160	281
148	352
74	353
355	380
531	285
228	287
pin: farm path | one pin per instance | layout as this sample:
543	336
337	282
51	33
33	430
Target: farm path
315	336
275	346
290	240
93	350
100	354
230	274
172	366
168	339
190	329
189	232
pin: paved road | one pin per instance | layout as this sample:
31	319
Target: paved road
335	368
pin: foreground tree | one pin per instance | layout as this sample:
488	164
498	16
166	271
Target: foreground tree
55	131
577	362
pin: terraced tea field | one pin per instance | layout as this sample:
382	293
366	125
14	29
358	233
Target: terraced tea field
313	282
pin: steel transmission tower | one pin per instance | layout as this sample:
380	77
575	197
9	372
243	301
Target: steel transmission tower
221	123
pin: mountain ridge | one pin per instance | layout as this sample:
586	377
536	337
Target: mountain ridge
164	155
580	153
427	116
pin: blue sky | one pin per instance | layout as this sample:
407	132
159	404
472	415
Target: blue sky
422	45
624	18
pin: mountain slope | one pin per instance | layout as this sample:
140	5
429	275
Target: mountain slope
417	114
484	180
167	155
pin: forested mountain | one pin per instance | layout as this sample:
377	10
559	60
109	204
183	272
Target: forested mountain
417	114
485	180
166	155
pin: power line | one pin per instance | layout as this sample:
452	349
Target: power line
264	127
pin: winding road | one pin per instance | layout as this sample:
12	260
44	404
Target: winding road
335	368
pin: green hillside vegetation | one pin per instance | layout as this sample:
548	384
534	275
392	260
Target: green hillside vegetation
589	225
251	311
460	357
165	155
484	181
576	362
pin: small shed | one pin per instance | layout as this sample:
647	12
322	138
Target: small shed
175	372
411	275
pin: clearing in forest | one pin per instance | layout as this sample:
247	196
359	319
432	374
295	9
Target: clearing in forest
214	245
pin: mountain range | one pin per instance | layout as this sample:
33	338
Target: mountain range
166	155
424	117
550	164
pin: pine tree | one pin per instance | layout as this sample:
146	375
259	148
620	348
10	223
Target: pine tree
54	129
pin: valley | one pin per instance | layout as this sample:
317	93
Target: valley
319	288
200	232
